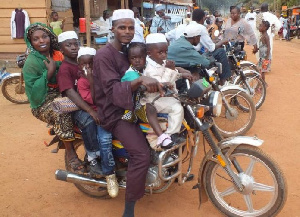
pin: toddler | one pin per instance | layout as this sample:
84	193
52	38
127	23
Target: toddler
264	49
56	25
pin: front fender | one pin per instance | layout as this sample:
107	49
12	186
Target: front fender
232	87
232	143
248	63
17	74
246	72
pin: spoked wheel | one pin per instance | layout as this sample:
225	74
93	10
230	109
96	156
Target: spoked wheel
265	189
241	116
93	191
257	90
13	91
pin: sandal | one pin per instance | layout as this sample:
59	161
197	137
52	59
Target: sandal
76	165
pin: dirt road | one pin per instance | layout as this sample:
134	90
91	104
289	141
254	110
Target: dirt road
28	186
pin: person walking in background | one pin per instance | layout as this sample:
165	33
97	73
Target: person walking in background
162	23
138	27
251	18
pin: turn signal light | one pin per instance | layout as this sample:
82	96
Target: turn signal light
238	63
211	79
200	112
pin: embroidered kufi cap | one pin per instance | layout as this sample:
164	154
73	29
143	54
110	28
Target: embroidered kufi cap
86	51
67	35
192	30
154	38
122	14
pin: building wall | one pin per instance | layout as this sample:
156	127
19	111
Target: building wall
36	10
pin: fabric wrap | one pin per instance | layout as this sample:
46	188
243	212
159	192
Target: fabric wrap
64	105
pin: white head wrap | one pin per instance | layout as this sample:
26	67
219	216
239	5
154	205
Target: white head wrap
192	30
159	7
67	35
154	38
122	14
86	51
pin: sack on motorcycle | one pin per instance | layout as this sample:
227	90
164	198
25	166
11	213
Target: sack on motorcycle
64	105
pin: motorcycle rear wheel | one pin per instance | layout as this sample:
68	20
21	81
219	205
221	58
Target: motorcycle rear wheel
243	114
92	191
12	92
265	184
257	85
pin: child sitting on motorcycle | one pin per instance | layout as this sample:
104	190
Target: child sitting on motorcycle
86	118
165	72
137	53
85	87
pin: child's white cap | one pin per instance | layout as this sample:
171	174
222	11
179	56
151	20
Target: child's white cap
122	14
67	35
86	51
154	38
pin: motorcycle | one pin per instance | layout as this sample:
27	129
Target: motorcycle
226	172
245	74
13	85
238	112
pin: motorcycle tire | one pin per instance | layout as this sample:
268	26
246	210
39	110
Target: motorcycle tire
90	190
265	193
12	92
242	117
258	86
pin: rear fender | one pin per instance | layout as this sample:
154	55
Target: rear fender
231	144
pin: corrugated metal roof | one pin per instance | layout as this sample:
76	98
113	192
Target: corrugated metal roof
177	2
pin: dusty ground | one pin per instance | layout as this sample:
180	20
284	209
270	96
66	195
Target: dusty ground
28	186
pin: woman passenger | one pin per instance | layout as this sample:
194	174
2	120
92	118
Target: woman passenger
41	87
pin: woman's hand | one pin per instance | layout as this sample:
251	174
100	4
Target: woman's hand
94	115
51	67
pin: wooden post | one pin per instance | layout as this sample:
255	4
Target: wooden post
87	22
142	10
48	11
122	4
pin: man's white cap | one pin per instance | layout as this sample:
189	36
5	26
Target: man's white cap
159	7
67	35
122	14
192	30
154	38
86	51
188	12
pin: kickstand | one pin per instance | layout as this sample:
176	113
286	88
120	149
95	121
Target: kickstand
59	145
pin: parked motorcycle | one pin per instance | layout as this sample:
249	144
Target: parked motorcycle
233	168
13	85
245	74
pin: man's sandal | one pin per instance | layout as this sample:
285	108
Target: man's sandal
76	165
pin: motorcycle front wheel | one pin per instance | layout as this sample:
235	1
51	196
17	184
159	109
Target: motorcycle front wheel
13	91
90	190
241	116
265	189
258	90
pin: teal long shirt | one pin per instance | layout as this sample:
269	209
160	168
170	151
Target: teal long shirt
183	53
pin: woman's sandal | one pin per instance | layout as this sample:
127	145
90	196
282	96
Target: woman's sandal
76	165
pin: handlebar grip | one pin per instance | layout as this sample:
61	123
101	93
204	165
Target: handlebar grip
142	88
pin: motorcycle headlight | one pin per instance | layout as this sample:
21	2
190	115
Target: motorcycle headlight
215	103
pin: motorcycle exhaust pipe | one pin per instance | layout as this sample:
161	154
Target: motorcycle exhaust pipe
67	176
75	178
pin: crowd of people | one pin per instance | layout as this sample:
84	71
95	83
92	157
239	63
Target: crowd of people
104	84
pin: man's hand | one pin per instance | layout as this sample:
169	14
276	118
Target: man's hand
94	115
170	64
187	75
152	85
255	49
166	17
159	29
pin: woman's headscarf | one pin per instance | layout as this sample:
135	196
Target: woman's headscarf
40	26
